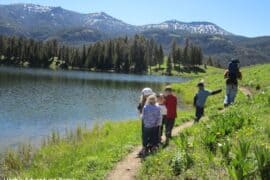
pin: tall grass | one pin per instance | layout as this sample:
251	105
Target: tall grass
234	144
79	154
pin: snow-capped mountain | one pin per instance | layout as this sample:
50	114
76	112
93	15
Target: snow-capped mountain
42	21
106	23
192	27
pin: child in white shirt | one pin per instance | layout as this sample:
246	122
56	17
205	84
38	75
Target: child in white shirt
163	110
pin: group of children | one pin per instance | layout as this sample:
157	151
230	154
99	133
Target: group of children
160	110
157	111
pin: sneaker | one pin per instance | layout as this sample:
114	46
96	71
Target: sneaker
154	149
142	153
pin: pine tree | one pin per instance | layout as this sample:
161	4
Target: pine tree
186	58
169	65
89	58
117	58
83	56
155	55
178	58
174	52
160	56
199	56
108	56
193	55
209	61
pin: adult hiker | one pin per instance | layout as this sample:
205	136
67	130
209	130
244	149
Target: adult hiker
151	118
146	92
171	105
200	99
232	74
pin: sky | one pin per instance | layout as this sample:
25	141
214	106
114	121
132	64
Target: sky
242	17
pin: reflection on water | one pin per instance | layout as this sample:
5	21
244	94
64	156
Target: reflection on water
35	102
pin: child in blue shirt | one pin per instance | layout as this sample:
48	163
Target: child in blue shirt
151	119
200	100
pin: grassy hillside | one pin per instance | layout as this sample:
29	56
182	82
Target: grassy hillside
230	144
210	149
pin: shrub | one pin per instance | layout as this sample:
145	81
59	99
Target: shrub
267	129
210	141
179	162
225	149
263	161
12	163
240	167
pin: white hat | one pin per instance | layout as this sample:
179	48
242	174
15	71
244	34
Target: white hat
147	92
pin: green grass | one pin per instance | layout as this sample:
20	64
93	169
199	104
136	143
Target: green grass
161	70
230	145
81	154
208	150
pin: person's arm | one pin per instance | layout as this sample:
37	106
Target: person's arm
144	114
226	74
216	92
194	100
159	118
139	107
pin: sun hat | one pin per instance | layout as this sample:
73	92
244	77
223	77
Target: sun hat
147	91
201	83
168	88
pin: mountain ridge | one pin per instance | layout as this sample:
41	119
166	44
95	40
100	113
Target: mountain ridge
67	26
92	20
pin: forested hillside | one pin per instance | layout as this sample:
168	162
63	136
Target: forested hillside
126	55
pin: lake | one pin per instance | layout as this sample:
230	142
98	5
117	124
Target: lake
34	102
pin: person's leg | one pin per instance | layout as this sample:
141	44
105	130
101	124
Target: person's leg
159	134
230	94
143	152
162	127
227	95
145	137
155	138
234	89
142	132
199	113
167	128
170	124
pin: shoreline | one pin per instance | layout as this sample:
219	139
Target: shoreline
58	150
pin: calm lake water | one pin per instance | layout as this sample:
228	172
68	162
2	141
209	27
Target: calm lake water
35	102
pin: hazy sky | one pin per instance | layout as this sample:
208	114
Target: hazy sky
243	17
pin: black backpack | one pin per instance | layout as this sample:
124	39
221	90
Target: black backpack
233	69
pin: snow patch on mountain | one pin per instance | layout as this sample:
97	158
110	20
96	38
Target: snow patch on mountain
37	8
192	27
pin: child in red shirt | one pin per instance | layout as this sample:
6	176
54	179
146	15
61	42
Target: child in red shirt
171	105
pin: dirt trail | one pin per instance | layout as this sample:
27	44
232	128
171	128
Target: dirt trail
245	91
127	168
